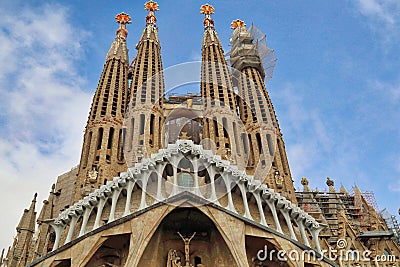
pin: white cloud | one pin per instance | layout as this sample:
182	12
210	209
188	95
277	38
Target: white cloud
43	107
383	16
395	186
381	10
389	89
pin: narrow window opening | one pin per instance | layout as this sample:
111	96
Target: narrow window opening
87	150
259	144
152	123
270	145
110	138
120	152
216	127
225	126
100	138
141	124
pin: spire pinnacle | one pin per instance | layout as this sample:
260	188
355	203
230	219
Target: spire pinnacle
237	23
207	10
151	6
122	19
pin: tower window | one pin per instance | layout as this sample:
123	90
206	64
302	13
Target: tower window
87	149
258	137
216	127
141	124
225	126
100	138
152	123
110	138
270	145
120	154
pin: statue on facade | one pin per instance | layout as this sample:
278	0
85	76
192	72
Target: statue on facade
278	180
173	259
187	240
92	175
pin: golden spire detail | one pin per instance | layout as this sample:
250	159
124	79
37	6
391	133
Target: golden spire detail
122	19
151	6
237	23
207	10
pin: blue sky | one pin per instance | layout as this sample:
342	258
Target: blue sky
335	88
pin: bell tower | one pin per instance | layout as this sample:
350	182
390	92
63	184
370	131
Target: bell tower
102	154
264	144
145	116
220	121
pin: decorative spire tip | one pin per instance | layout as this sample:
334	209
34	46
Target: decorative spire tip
151	6
207	9
123	18
237	23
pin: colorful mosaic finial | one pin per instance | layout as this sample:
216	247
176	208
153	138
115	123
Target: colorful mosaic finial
207	10
237	23
151	6
123	18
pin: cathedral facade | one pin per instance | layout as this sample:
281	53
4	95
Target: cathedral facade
193	180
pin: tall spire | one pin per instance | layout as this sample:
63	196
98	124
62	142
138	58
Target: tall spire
145	116
151	7
42	242
210	35
220	122
102	155
118	47
207	10
266	144
27	221
150	32
21	253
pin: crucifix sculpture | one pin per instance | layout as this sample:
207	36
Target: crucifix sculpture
187	240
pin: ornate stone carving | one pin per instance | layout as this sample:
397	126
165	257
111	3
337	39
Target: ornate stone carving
93	175
278	179
173	259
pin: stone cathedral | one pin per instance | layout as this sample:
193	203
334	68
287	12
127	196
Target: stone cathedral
193	180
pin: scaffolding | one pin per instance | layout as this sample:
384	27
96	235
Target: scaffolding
266	54
249	48
330	203
369	196
392	224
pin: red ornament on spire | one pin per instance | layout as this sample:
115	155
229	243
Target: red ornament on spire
123	18
207	9
151	6
237	23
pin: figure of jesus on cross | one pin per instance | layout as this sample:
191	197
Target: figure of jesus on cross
187	240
